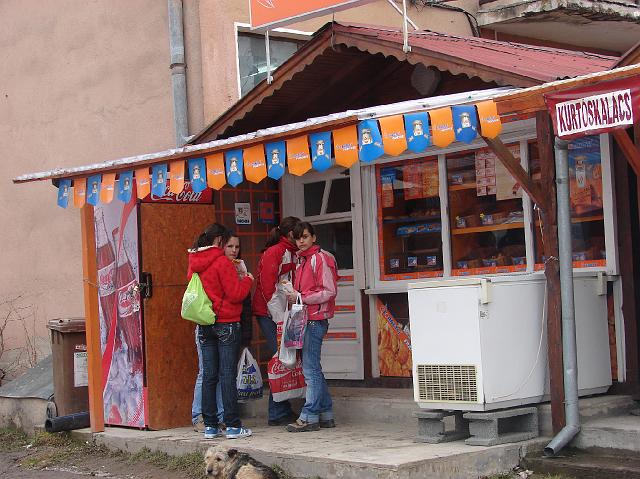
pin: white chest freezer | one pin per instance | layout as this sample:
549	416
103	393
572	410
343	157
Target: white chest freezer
480	343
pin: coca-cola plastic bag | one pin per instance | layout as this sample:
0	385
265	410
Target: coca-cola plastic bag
293	334
249	379
285	383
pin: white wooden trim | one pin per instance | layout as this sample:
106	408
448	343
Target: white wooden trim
357	222
445	224
529	221
621	352
609	205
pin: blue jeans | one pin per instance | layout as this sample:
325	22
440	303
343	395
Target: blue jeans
220	344
277	410
318	405
196	405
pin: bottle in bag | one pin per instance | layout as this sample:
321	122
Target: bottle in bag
106	262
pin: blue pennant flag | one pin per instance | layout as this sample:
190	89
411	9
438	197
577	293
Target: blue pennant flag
158	180
416	127
125	186
276	159
465	122
197	174
321	150
64	190
369	140
233	162
93	189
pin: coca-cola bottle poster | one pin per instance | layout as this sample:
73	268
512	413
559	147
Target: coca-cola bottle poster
116	231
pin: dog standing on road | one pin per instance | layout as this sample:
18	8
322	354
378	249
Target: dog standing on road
231	464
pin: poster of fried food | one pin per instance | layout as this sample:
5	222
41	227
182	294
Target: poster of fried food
585	174
394	344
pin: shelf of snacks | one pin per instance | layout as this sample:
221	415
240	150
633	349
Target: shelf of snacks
480	229
409	221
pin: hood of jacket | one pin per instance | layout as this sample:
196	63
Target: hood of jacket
201	258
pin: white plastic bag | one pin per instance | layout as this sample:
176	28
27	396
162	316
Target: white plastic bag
287	356
293	333
277	305
249	379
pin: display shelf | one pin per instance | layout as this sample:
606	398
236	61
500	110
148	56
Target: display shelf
410	219
582	219
482	229
464	186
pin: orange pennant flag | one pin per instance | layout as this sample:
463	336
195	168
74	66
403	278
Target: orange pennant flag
298	158
490	124
443	133
143	182
345	145
255	166
216	177
176	176
79	192
108	186
393	136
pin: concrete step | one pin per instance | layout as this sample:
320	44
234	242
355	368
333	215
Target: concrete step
618	432
593	464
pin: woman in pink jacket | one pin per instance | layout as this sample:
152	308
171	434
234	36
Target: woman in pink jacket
315	280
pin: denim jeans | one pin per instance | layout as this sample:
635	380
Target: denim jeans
318	405
220	344
277	410
196	405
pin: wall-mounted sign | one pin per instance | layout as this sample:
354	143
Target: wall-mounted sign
268	14
243	213
267	214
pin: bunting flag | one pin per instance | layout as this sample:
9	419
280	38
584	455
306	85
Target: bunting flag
298	157
106	192
64	187
345	145
176	176
158	180
490	124
255	167
143	183
465	122
196	168
276	159
233	160
93	189
215	171
370	141
321	151
442	127
125	186
416	127
393	135
79	192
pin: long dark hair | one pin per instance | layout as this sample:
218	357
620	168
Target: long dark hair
209	235
286	226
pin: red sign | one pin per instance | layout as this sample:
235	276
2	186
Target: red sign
268	14
187	195
596	108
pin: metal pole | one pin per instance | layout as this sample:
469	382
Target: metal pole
397	9
405	31
178	72
266	44
569	349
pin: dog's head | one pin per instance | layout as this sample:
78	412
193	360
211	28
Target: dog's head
216	458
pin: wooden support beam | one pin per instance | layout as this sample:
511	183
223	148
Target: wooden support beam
92	319
515	168
630	150
552	269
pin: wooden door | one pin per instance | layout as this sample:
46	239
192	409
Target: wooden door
171	360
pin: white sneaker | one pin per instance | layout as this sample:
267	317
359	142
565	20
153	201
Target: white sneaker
237	432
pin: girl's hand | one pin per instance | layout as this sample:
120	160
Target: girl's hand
250	276
292	297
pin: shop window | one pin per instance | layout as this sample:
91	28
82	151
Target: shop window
587	217
337	238
313	195
487	220
339	200
409	221
252	58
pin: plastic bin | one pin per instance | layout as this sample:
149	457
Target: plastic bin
70	380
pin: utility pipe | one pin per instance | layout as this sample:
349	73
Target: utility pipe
569	350
178	72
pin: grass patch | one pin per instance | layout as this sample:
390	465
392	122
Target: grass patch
190	464
12	439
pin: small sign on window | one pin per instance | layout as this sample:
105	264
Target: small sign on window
243	213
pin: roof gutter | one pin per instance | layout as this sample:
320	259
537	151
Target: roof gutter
178	72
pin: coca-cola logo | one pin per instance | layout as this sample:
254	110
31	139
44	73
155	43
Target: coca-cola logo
279	369
105	279
127	300
187	195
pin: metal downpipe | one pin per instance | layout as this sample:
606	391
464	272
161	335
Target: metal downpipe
569	350
178	72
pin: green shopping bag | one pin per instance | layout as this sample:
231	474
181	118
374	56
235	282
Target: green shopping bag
196	305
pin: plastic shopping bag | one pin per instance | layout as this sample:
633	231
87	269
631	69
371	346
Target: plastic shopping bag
288	356
293	334
286	383
277	305
249	379
196	305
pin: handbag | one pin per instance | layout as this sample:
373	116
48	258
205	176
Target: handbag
293	333
249	379
196	305
286	383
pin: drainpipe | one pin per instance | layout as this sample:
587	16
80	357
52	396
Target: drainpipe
569	350
178	72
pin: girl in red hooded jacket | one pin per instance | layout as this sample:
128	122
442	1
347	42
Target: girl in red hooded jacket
220	342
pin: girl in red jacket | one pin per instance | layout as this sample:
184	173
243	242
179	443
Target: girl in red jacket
315	280
276	264
220	342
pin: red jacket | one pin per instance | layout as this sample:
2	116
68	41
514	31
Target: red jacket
267	274
220	281
316	280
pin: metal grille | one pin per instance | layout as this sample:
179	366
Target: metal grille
447	383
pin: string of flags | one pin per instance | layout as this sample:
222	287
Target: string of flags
366	142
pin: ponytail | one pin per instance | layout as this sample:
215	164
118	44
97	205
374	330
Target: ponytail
286	225
210	234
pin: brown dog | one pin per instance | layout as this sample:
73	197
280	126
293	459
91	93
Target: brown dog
231	464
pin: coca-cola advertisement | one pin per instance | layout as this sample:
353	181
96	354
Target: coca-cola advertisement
116	232
187	195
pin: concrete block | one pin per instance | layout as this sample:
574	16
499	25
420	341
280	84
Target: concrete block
433	430
499	427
